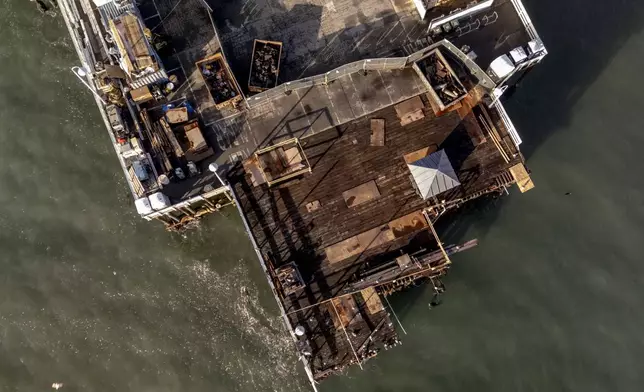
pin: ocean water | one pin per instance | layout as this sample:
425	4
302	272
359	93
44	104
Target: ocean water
95	298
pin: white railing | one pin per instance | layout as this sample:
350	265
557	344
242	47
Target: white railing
508	123
525	18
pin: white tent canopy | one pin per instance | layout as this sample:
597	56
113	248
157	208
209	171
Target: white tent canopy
433	174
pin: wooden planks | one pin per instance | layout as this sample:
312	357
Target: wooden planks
361	194
408	224
520	174
359	243
340	164
375	237
372	300
178	151
347	311
378	132
137	41
136	183
410	110
134	35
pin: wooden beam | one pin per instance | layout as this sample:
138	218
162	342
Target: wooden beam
347	335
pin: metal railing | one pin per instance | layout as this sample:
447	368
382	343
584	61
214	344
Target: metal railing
328	77
525	18
508	123
390	63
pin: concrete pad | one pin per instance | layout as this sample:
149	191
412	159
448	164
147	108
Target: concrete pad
353	96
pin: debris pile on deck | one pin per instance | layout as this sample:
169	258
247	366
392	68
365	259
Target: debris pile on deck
290	279
446	88
219	80
265	65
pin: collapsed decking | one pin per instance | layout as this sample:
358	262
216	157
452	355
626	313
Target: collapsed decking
339	176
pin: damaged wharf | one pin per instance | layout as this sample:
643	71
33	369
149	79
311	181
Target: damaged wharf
341	150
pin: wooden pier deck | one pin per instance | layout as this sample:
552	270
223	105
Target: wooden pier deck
301	219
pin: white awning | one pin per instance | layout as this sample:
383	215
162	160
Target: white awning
100	3
433	174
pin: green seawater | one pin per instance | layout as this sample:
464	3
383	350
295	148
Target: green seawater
93	297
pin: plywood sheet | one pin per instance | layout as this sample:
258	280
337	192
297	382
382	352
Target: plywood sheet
177	115
361	194
343	249
378	132
293	156
359	243
419	154
372	299
141	94
196	140
408	224
376	237
410	110
520	174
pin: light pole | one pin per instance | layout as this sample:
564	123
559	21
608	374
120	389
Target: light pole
213	167
81	73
